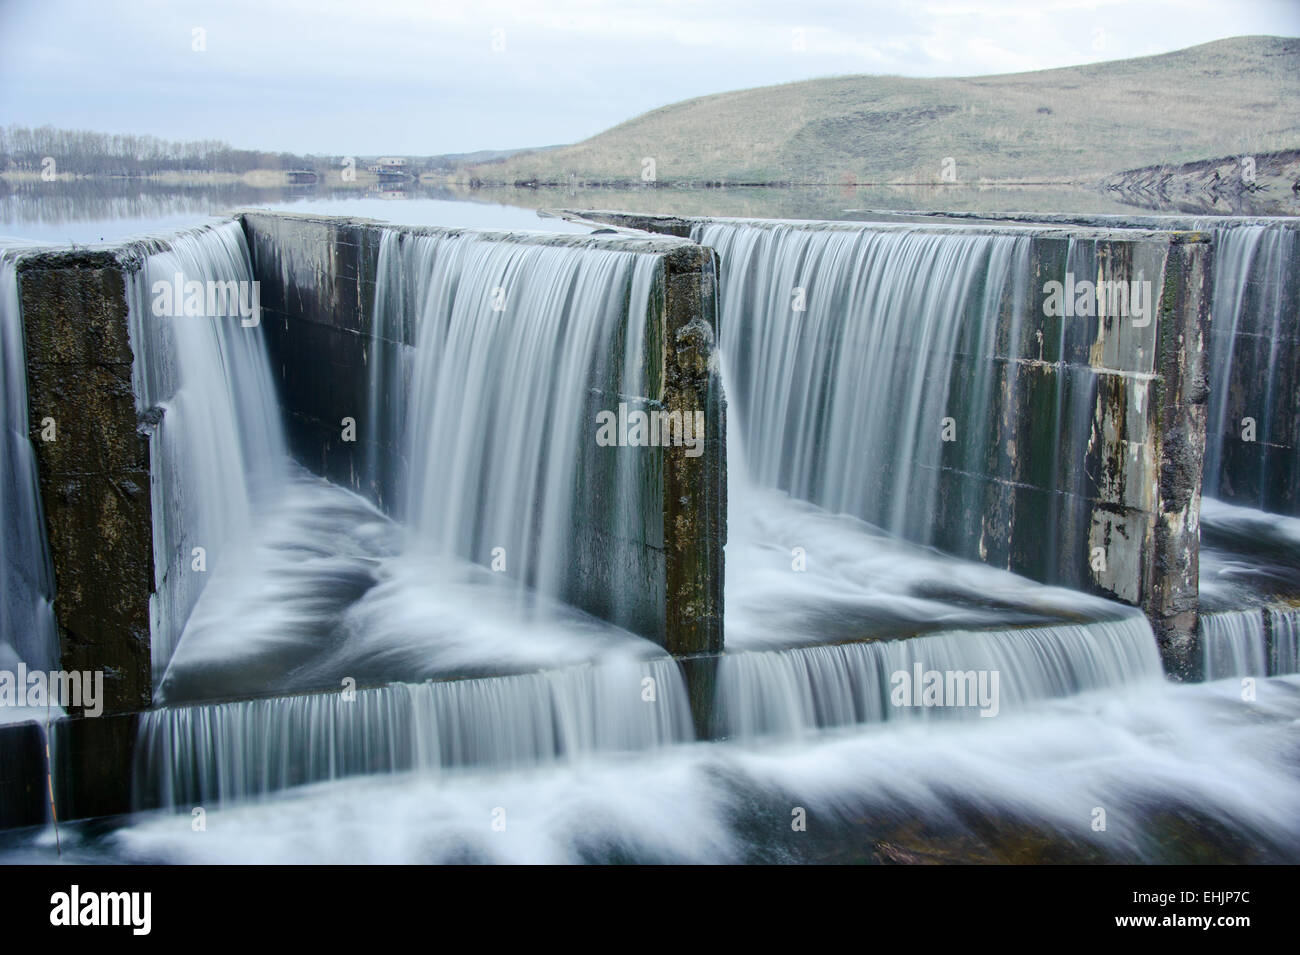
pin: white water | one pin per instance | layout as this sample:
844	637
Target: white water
1251	329
492	408
841	403
219	445
792	692
1138	755
1256	642
27	626
1120	739
1232	644
206	754
500	423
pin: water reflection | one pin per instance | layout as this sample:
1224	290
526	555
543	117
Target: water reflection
93	210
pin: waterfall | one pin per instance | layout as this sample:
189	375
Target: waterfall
488	359
1249	336
1284	633
27	626
515	350
244	749
842	345
1257	642
1232	644
794	691
202	374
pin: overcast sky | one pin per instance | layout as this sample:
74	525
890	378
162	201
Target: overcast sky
366	76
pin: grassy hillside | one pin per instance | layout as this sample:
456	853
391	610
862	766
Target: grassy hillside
1074	124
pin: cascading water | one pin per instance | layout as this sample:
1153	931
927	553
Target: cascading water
512	341
846	347
1233	644
247	749
355	593
27	627
482	446
1257	642
840	343
218	444
792	692
1250	329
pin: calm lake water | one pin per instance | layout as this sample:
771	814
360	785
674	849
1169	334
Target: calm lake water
88	211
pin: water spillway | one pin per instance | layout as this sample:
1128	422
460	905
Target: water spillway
221	752
27	626
218	442
1043	410
794	692
1252	454
390	325
233	573
1249	553
439	391
518	348
842	343
1252	441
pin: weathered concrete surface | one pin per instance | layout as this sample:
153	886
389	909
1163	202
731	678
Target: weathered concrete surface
90	768
695	489
1179	406
318	286
1092	478
317	278
1262	380
93	765
94	475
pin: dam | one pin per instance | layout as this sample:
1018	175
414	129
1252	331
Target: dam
372	534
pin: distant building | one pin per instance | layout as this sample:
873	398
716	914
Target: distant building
389	167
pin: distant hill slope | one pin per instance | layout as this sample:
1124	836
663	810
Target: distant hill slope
1073	124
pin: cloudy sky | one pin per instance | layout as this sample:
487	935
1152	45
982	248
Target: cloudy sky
367	76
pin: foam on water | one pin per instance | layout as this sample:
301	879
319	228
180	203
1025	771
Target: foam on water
1196	751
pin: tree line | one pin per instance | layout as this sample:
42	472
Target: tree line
82	152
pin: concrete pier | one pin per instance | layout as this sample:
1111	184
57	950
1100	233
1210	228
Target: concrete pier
94	470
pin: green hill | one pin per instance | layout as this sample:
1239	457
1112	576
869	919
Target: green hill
1066	125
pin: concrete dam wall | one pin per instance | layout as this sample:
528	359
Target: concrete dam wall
1060	443
168	429
334	361
1056	431
1253	426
